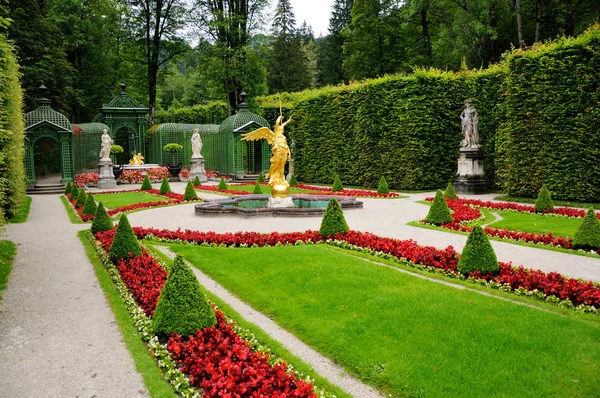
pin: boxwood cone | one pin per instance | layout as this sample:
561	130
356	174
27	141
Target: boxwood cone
544	201
222	184
125	243
383	187
182	307
333	220
90	206
146	185
587	236
68	188
81	197
197	182
190	192
257	189
478	254
164	186
102	221
337	184
293	181
450	193
261	177
439	213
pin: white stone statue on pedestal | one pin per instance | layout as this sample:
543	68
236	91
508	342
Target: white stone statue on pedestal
105	148
196	145
469	126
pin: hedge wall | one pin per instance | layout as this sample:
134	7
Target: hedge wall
211	113
12	133
551	131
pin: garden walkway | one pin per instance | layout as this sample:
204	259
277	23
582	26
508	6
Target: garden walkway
58	336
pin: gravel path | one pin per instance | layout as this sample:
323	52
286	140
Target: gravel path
58	336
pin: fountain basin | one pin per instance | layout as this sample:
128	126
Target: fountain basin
255	205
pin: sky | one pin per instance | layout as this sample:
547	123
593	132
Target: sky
315	12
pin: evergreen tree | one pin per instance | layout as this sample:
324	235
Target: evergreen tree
68	188
337	184
197	182
222	184
165	187
330	47
81	197
450	193
90	206
102	221
125	243
587	236
293	181
478	254
74	192
190	192
439	213
261	177
146	184
383	187
544	201
333	221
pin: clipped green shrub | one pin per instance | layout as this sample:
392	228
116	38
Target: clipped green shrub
439	213
337	184
478	254
383	188
146	185
587	236
293	181
333	220
257	189
190	192
544	201
102	221
90	206
450	193
211	113
74	192
81	197
165	187
197	182
261	177
125	243
222	184
182	307
68	188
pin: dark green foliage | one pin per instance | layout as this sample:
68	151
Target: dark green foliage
257	188
68	188
222	184
190	192
337	184
439	213
164	186
333	220
587	236
450	193
383	188
197	182
125	243
90	205
544	200
182	307
74	192
261	177
102	221
81	197
146	184
211	113
293	181
478	254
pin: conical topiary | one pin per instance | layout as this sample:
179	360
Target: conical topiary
222	184
165	187
257	189
478	254
337	184
261	177
68	188
190	192
197	182
450	193
293	181
102	221
81	197
439	213
146	185
383	187
125	244
74	192
587	236
333	220
544	201
182	306
90	206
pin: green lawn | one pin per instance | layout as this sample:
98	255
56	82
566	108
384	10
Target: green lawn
8	250
114	200
407	336
536	223
508	198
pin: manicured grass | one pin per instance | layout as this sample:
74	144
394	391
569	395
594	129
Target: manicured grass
114	200
405	335
23	213
537	223
70	211
508	198
151	375
8	250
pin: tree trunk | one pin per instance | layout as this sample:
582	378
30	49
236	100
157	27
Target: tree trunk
538	19
494	47
570	19
426	37
519	23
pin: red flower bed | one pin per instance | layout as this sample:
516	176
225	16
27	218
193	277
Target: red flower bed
348	192
90	178
223	365
137	176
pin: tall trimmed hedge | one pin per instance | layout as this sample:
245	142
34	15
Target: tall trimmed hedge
12	134
211	113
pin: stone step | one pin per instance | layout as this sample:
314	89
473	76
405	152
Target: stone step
34	191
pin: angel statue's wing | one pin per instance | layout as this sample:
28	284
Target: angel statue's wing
263	132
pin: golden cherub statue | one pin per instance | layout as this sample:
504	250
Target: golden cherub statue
137	159
281	154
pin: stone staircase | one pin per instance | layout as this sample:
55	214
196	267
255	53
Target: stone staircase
46	189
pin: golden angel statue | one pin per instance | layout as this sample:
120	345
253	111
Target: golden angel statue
280	155
137	159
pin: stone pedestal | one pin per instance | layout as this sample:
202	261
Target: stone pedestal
290	170
470	178
106	178
197	169
280	202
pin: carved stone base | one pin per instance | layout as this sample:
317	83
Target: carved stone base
280	202
470	178
197	169
106	178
